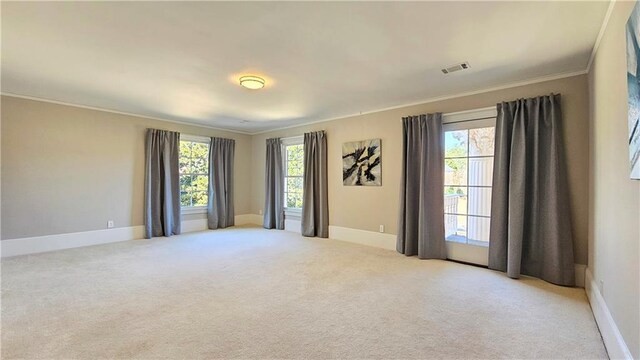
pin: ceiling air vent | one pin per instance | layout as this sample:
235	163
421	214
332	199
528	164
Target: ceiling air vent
456	67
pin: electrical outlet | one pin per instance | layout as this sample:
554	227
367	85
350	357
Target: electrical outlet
110	224
260	211
381	228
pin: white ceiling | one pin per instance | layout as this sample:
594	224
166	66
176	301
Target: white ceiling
181	61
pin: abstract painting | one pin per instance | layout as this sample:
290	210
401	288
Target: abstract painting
361	163
633	85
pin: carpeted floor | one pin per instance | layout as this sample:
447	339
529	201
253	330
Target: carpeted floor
254	293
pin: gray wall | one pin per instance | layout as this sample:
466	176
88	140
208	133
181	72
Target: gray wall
68	169
368	207
614	231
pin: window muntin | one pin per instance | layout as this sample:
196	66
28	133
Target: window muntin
194	173
293	178
469	151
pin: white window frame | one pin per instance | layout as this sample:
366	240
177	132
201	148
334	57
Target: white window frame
201	209
462	120
294	140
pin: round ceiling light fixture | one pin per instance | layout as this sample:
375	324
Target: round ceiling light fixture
252	82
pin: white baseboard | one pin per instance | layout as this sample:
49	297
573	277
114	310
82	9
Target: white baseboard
388	241
39	244
613	341
363	237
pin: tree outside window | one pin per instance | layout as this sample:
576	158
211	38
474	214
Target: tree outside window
294	171
194	173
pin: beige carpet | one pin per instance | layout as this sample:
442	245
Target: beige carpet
253	293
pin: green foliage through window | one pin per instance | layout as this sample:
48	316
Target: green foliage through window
194	173
294	171
468	172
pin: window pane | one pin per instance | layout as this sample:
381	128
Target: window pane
200	150
295	152
294	171
479	230
200	183
455	143
295	167
194	180
200	198
185	148
185	182
455	172
185	199
468	180
294	200
185	163
455	200
199	165
481	141
455	228
479	201
294	184
480	171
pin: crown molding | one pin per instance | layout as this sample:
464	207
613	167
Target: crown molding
425	101
438	98
34	98
603	28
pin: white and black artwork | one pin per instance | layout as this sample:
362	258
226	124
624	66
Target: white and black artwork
633	84
361	163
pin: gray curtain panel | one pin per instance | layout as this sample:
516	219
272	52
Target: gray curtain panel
421	218
161	184
530	216
220	212
315	205
274	186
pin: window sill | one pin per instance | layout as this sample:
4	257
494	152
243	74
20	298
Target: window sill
193	210
484	244
292	213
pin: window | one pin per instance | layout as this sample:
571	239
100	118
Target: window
469	148
293	172
194	171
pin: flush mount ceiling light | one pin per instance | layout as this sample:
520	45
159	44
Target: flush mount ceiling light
252	82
